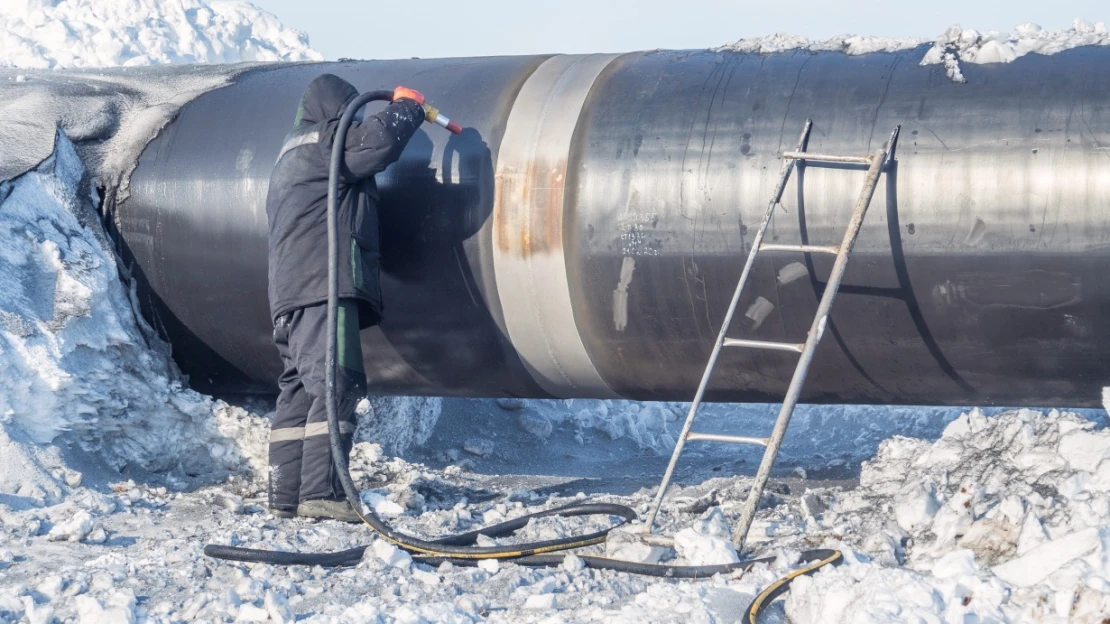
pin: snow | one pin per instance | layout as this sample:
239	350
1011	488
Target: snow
47	34
952	47
76	529
544	602
382	505
391	555
848	44
707	542
74	356
973	46
1016	534
625	544
1016	530
118	608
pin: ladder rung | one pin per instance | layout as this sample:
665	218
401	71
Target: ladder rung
761	344
830	249
663	541
855	160
715	437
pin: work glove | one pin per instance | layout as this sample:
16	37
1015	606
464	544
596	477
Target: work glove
405	92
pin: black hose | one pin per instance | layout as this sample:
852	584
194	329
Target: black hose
458	549
619	565
341	558
817	559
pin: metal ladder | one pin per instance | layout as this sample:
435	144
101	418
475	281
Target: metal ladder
875	165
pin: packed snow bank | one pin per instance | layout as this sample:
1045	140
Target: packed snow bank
397	423
950	48
993	46
848	44
46	34
958	45
540	435
1002	519
73	354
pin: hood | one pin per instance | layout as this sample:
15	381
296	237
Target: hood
324	99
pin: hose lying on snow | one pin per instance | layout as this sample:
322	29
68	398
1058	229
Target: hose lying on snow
459	549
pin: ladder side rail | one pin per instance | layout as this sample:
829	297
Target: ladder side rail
817	329
788	167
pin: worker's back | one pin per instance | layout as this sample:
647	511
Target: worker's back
296	203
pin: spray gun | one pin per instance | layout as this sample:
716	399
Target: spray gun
431	113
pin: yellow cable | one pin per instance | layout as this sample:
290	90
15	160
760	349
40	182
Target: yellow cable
768	593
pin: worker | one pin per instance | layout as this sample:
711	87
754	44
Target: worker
303	480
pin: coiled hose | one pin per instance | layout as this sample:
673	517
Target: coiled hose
458	549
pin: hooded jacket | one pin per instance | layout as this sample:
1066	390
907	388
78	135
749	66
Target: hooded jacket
297	200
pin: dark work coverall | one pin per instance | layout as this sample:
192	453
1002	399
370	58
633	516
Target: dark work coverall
296	210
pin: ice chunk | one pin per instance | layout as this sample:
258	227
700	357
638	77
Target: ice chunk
625	544
391	555
428	578
382	505
540	602
707	542
492	566
573	563
536	424
118	609
1040	562
277	607
916	506
251	613
75	529
34	614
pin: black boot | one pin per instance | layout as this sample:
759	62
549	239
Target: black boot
328	509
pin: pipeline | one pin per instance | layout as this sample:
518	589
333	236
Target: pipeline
461	548
590	224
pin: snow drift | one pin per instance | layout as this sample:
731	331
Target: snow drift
48	34
74	356
1003	519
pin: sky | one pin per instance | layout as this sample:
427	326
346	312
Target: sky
442	28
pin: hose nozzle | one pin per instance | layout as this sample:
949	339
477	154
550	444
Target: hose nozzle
432	115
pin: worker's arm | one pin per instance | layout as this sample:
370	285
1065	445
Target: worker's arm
377	142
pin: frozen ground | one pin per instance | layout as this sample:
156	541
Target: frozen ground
1001	519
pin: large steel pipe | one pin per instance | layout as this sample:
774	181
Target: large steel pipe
582	237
